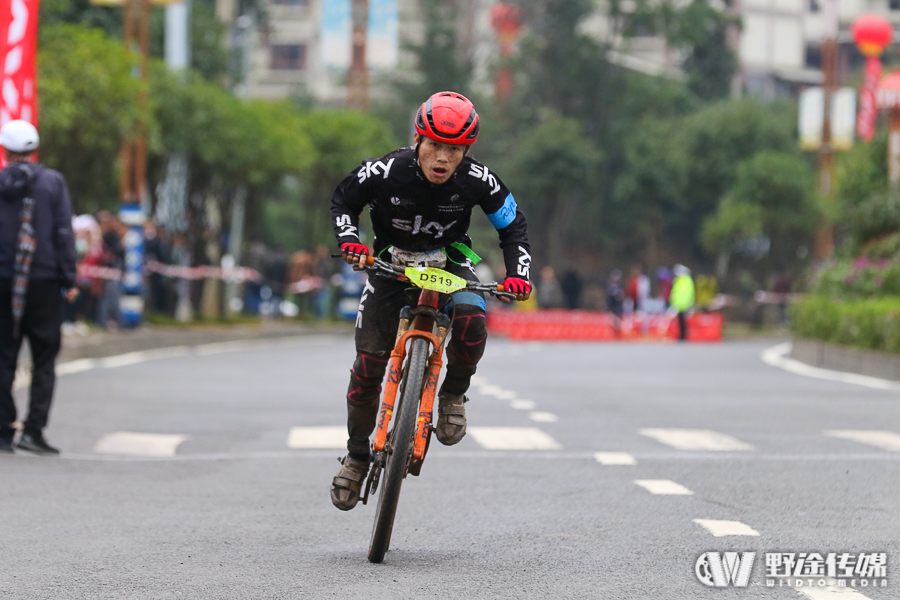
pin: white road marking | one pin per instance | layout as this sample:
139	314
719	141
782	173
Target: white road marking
506	395
523	404
776	356
543	417
491	390
513	438
696	439
318	437
664	487
614	458
129	443
831	592
886	440
724	528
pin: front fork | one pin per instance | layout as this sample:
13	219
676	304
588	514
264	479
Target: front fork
395	375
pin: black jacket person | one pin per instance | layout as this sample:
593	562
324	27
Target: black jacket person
37	266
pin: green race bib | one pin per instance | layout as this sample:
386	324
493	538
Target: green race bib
438	280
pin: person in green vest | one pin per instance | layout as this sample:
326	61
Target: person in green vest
682	297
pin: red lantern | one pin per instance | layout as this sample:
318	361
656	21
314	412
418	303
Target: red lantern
872	34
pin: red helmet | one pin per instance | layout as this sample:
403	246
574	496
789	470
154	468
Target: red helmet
448	117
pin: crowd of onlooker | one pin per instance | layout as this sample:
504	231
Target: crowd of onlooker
305	283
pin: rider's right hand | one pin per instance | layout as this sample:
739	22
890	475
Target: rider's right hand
355	254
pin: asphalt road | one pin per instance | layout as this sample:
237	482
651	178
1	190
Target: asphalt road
228	510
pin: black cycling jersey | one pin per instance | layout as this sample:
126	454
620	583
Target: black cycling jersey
413	214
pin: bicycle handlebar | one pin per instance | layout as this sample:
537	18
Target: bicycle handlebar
376	265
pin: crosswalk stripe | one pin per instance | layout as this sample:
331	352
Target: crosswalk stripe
513	438
614	458
130	443
886	440
318	437
664	487
543	417
523	404
724	528
696	439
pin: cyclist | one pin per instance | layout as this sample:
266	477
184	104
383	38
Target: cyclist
420	201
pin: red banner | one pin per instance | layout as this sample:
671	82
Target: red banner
18	47
868	108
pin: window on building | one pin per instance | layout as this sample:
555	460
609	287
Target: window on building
814	6
813	57
288	57
297	3
894	4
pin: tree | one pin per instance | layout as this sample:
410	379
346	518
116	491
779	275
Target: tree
555	166
88	106
770	212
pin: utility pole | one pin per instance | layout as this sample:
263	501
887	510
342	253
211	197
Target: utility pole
358	75
133	183
830	56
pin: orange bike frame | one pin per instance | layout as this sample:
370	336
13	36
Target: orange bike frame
429	390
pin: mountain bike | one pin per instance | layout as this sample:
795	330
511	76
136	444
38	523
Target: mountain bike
404	428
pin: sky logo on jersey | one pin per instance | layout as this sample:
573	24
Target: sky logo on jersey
374	167
524	266
416	226
484	174
506	215
346	226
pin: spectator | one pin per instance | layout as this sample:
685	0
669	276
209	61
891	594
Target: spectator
37	263
548	290
326	268
157	250
638	290
664	277
615	294
111	229
571	287
682	297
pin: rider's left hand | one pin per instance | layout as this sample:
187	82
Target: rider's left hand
520	287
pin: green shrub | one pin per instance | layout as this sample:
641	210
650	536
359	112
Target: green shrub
871	323
859	279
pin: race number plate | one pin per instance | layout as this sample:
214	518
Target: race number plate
438	280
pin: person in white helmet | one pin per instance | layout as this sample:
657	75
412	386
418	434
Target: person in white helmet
37	269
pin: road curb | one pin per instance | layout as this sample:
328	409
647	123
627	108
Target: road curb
779	356
105	344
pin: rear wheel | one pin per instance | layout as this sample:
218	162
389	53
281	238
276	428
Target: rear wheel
401	439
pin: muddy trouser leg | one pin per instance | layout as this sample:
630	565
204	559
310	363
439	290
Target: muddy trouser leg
376	330
468	335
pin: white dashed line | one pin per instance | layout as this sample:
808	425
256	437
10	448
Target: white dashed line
513	438
129	443
725	528
886	440
523	404
543	417
696	439
614	458
664	487
491	390
318	437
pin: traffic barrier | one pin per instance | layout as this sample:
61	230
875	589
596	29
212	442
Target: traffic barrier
585	325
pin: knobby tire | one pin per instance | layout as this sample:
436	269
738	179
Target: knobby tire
402	436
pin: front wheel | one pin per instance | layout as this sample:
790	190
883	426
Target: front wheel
399	450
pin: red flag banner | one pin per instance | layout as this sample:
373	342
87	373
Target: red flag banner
18	49
868	108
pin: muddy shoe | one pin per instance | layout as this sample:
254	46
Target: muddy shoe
347	484
451	425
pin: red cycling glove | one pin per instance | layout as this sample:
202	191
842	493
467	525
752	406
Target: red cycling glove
516	286
354	249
